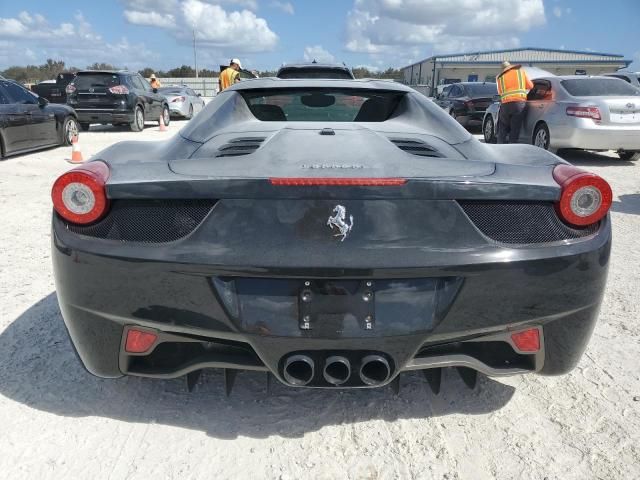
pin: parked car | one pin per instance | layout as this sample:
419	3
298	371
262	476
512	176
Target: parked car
182	100
29	122
54	90
629	77
578	112
467	101
329	243
117	98
315	70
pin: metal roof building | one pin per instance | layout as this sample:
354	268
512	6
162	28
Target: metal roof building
484	66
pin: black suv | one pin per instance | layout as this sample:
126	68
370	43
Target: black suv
116	97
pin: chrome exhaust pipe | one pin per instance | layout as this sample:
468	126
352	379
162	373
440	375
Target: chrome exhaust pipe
337	370
374	370
299	370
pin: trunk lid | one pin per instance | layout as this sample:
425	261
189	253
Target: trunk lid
92	90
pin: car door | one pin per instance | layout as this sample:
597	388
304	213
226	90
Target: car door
455	93
12	123
197	102
20	117
155	99
539	101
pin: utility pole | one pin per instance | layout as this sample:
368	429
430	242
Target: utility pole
195	55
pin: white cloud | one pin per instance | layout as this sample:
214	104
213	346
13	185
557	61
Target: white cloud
30	37
286	7
233	31
403	27
557	11
319	54
152	19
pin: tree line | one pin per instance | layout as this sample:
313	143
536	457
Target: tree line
51	68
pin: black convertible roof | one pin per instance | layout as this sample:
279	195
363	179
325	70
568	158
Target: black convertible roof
274	82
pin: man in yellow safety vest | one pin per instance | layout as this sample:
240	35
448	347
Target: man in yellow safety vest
513	86
230	75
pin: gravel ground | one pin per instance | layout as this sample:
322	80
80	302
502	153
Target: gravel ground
57	421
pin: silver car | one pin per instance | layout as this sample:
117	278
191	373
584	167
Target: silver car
182	101
578	112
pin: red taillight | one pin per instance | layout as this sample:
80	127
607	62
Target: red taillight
79	195
119	90
70	88
338	182
527	340
585	112
585	197
139	341
178	99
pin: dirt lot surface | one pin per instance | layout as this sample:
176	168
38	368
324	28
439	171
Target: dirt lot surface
57	421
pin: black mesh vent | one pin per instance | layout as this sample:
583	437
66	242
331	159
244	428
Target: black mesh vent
240	146
415	147
148	221
522	222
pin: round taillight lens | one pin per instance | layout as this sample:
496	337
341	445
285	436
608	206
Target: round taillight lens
79	196
585	198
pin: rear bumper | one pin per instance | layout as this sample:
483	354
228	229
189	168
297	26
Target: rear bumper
181	109
586	134
249	317
104	116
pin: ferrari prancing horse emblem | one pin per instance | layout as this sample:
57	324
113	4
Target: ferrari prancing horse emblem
338	221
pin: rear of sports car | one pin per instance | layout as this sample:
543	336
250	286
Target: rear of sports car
334	255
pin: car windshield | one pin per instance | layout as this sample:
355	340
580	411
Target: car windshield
477	89
170	90
599	87
96	80
334	73
321	104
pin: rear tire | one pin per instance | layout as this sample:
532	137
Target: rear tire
166	115
489	130
85	126
190	114
137	125
69	130
541	137
628	156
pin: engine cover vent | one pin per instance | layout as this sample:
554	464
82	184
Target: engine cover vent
415	147
240	146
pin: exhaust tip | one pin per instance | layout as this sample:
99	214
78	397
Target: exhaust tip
299	370
337	370
374	370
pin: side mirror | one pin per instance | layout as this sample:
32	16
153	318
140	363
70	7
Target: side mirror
155	90
42	101
496	98
199	94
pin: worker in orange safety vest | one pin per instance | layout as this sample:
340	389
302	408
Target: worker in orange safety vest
230	75
513	86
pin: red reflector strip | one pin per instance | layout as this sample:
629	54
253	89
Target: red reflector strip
139	341
527	340
338	182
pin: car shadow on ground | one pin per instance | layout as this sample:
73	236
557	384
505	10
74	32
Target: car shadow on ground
39	369
584	158
628	203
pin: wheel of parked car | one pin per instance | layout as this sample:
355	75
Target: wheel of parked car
541	137
627	156
453	114
84	126
166	115
190	114
137	125
489	130
69	130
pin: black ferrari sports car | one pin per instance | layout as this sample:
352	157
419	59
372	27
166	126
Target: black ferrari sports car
332	233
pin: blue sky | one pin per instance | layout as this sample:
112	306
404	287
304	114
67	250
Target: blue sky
266	33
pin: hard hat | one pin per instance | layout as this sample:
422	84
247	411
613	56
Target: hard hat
153	76
506	64
236	61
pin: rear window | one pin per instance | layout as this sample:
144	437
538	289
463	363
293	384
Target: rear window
321	104
599	87
332	73
96	80
488	89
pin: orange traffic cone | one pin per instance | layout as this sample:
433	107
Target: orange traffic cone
163	127
76	154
